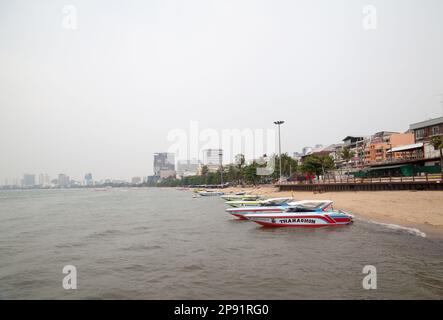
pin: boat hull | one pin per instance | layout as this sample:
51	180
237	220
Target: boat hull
314	220
241	212
240	197
239	204
210	194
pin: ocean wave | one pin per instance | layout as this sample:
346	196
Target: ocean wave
396	227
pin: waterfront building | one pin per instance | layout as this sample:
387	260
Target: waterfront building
163	161
136	180
28	180
63	180
213	159
164	174
187	168
88	179
425	130
381	144
336	154
74	183
320	150
152	179
352	141
400	154
356	145
41	179
164	165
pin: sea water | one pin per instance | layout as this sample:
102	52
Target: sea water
152	243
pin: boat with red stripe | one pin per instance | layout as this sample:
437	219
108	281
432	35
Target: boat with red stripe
306	214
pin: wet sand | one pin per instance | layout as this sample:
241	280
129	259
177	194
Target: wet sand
414	209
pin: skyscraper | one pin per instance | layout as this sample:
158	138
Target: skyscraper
41	179
63	180
164	165
28	180
213	159
88	179
213	156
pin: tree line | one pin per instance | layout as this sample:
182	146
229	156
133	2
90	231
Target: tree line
241	173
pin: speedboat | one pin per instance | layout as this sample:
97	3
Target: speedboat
209	193
266	206
258	202
240	197
310	214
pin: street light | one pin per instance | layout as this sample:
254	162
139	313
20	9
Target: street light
278	123
220	154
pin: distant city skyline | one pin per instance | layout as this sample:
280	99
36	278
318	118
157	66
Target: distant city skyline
102	97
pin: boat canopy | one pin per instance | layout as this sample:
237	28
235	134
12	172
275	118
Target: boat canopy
309	206
276	201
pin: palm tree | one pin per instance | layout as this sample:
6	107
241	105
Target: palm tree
240	165
437	143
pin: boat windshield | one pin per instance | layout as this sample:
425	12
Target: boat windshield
274	203
306	207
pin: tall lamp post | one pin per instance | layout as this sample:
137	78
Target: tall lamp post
220	154
279	123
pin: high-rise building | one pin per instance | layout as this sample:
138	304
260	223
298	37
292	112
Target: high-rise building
41	179
63	180
28	180
213	159
164	165
88	179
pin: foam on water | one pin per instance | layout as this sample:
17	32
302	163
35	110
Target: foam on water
396	227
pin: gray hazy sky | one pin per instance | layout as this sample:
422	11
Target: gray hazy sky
102	98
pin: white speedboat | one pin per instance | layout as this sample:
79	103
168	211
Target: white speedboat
209	193
266	206
310	214
257	203
240	197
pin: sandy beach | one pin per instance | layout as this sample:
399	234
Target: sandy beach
422	210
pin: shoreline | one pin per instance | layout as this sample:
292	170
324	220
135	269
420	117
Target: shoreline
422	210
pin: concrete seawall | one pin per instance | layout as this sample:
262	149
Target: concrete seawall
363	186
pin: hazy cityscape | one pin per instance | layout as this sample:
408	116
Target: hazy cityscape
217	156
412	151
